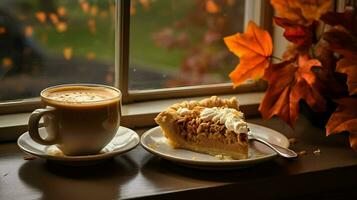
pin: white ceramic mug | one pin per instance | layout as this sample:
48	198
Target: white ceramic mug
80	119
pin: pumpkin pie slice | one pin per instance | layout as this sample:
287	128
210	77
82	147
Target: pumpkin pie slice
214	126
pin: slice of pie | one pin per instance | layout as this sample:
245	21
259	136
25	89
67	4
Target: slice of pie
214	126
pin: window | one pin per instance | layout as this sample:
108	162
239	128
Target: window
176	47
175	43
165	48
51	42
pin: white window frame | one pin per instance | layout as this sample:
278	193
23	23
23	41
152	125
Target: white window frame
257	10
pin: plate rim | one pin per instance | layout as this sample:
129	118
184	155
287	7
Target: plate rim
80	158
210	162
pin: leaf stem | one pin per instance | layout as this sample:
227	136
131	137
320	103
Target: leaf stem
321	33
277	58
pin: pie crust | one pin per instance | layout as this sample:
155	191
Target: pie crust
188	130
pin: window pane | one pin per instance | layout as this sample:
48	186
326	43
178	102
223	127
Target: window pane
180	42
50	42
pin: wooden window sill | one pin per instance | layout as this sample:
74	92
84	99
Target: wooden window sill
139	174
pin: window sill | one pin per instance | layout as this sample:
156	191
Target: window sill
140	175
13	125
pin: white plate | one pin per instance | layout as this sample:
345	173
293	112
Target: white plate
155	142
124	140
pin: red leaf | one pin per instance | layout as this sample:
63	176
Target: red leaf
289	82
298	34
347	19
341	42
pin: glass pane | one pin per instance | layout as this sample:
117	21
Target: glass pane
180	42
50	42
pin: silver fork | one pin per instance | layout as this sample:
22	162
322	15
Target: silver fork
282	151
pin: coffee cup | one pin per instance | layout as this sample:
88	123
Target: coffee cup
80	119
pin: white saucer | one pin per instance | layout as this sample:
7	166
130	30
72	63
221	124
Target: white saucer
124	140
155	142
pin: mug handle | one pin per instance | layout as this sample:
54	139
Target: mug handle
33	126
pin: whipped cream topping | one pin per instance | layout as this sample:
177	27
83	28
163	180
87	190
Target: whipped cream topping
231	118
183	111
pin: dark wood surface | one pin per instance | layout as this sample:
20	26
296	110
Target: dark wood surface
137	174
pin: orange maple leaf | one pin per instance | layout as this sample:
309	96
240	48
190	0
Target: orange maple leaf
254	49
289	82
303	12
344	119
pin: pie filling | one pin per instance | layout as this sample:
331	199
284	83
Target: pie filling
224	125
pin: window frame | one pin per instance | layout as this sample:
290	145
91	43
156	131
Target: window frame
262	15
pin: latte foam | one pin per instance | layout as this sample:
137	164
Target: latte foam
80	94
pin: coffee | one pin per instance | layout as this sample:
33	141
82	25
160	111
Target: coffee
79	94
79	119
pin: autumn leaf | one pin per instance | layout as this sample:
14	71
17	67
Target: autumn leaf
344	119
303	12
2	30
254	49
168	38
91	56
230	2
28	31
212	7
94	10
7	63
145	4
61	11
54	19
345	44
68	53
211	36
92	25
341	42
103	14
289	82
348	66
61	27
85	6
329	83
347	19
298	34
41	16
